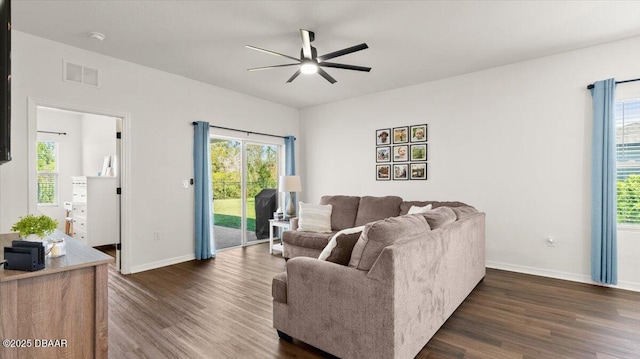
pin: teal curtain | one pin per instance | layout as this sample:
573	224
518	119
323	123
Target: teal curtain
290	160
205	247
604	261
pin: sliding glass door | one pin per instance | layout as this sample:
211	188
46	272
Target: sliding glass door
226	175
241	170
262	174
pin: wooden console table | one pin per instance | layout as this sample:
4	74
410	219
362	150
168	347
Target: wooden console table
57	312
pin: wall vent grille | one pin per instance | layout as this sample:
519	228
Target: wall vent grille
81	74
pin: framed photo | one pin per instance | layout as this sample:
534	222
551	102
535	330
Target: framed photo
401	134
400	153
383	172
419	152
383	154
419	171
418	133
383	137
401	172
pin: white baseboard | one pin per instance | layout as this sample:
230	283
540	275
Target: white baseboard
627	285
162	263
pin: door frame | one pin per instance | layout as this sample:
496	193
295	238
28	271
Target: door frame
243	180
125	165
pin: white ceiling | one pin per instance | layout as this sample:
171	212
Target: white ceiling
410	41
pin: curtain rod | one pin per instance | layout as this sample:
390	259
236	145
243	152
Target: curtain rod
54	133
247	132
617	82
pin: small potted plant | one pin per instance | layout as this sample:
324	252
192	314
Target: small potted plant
35	228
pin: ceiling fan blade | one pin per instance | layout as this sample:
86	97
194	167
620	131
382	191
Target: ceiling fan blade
271	52
293	77
328	77
271	67
344	66
342	52
307	37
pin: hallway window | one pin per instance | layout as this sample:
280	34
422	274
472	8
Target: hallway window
47	173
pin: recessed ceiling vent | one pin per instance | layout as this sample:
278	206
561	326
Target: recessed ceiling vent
81	74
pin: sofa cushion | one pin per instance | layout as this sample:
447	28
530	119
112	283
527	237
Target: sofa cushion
464	211
378	235
439	217
339	248
345	209
279	288
405	206
449	204
314	218
373	209
314	240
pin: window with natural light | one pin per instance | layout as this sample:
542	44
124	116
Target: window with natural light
627	115
47	168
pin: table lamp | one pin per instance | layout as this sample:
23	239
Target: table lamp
290	184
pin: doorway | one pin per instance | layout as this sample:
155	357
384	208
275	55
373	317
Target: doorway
240	171
76	171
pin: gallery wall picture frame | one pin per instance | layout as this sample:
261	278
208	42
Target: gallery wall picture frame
418	133
400	135
383	154
383	172
418	152
401	153
400	171
418	171
383	137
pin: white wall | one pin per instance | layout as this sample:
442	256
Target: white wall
514	141
69	155
98	141
161	107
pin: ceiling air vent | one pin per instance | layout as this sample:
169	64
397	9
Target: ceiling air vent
81	74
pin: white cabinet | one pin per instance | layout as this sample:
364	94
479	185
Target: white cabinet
96	210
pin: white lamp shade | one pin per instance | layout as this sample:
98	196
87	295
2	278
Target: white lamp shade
289	184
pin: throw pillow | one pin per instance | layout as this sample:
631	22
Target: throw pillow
339	248
440	217
417	209
314	218
404	206
341	254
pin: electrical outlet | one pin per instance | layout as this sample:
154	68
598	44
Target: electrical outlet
551	242
156	236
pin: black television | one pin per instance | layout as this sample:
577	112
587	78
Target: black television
5	81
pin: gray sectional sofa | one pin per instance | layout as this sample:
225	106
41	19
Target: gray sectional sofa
348	212
401	284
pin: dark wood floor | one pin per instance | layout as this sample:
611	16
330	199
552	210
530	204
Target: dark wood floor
221	308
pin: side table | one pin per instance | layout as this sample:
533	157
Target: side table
284	224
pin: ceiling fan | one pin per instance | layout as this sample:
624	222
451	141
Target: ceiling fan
309	62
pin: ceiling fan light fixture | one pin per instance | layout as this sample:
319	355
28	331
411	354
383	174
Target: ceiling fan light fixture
309	68
309	62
